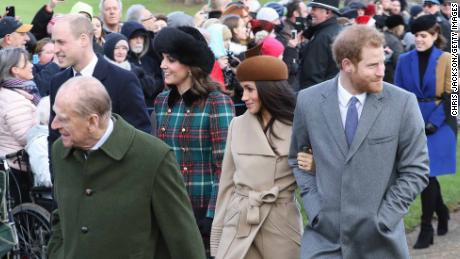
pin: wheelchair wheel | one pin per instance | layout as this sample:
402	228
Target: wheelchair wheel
33	228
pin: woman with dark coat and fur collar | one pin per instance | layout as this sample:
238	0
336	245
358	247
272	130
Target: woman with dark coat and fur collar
193	117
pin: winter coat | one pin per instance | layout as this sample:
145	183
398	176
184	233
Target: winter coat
255	181
123	200
434	105
17	116
316	62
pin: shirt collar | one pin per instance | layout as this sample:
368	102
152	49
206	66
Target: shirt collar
345	96
89	69
104	137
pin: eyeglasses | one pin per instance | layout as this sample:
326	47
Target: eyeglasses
148	18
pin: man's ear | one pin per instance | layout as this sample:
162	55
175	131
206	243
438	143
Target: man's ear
93	122
84	39
347	65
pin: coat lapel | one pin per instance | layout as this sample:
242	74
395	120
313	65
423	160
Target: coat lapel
100	71
371	110
331	112
415	72
254	140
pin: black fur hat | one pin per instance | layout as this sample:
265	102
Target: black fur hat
185	44
423	23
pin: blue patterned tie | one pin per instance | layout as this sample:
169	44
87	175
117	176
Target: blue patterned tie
351	123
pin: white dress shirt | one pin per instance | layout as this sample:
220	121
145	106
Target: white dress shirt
344	101
104	137
89	69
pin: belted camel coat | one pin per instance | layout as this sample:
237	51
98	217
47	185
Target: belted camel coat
256	214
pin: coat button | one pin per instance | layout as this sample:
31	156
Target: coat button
84	230
163	129
183	149
185	168
89	192
169	110
183	130
188	111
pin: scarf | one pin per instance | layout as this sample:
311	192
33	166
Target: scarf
28	86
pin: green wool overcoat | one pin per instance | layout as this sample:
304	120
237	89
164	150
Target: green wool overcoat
125	200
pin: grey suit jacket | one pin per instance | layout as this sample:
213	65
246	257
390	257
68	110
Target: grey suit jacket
359	195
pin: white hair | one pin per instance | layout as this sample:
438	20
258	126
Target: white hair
134	13
101	5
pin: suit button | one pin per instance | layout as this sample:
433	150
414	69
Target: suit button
84	230
89	192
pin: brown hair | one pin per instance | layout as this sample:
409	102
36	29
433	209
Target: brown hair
231	21
352	40
40	44
441	41
202	84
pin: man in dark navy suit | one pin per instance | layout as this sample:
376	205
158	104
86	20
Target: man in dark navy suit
73	38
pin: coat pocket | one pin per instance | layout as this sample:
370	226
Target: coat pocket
380	140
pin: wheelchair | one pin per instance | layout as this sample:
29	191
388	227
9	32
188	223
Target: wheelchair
26	220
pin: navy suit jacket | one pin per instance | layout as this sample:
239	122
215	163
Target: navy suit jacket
124	90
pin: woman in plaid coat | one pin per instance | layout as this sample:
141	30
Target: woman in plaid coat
193	117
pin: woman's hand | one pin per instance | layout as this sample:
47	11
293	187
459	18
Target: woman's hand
306	161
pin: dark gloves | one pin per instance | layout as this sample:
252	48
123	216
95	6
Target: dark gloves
430	128
205	226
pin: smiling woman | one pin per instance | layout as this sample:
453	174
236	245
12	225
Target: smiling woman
18	98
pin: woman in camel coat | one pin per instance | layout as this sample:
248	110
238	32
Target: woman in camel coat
256	214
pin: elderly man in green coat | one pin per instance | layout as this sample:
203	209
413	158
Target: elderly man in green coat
119	190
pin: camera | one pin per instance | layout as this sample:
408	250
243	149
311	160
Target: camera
232	60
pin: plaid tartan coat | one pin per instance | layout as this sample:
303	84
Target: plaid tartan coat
197	132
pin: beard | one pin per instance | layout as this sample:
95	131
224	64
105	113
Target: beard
370	85
137	48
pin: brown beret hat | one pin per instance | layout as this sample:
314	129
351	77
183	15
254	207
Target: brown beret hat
262	68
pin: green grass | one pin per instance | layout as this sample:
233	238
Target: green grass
26	9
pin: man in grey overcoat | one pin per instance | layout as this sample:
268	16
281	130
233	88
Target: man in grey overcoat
369	147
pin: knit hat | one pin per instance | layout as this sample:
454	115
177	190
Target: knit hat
280	9
272	47
423	23
415	10
185	44
267	14
262	68
81	7
394	20
370	10
132	28
111	41
179	18
332	5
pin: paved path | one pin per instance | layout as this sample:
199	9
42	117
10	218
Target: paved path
444	247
